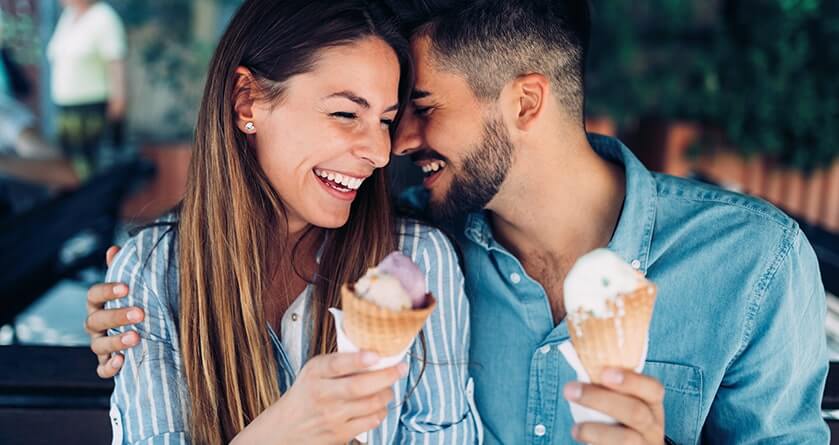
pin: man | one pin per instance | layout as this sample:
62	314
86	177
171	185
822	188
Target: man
737	350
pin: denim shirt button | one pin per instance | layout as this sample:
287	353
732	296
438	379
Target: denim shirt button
636	264
515	278
545	349
539	430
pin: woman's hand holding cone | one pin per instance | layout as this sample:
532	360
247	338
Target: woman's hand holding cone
331	402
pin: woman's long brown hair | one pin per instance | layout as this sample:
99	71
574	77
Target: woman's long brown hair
232	223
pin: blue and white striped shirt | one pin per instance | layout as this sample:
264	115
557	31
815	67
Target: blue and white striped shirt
150	405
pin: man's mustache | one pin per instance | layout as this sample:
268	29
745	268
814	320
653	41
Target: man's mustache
427	154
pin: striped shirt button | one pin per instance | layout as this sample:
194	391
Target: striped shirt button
294	317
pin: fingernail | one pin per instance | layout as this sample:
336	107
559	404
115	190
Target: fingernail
134	315
575	431
613	376
120	289
114	363
403	369
369	358
573	391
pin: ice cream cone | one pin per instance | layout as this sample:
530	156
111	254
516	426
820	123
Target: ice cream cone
380	330
617	340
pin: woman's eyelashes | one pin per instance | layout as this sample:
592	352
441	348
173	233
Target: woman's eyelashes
344	115
350	117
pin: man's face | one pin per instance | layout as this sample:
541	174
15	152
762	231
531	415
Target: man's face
459	142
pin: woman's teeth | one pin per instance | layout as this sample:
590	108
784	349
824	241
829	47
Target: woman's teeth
433	166
341	182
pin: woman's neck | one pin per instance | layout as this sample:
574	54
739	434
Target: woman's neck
292	273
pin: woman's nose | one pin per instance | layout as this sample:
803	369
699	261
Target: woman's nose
376	150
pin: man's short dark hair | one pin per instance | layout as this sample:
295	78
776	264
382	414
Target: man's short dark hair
491	42
412	14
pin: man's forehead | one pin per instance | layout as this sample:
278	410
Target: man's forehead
429	79
424	70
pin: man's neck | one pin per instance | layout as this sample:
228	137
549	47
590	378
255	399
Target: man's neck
559	201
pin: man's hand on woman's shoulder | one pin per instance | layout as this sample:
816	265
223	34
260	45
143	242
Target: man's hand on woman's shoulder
99	320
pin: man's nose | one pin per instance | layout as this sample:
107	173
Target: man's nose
408	138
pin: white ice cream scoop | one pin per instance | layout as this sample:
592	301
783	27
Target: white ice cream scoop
597	278
383	289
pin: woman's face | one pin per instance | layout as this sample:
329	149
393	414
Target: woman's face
329	132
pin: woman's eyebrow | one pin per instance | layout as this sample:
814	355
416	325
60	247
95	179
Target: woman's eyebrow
349	95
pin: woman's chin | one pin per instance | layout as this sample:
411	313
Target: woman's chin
331	220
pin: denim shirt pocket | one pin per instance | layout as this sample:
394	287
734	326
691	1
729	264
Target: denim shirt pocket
682	398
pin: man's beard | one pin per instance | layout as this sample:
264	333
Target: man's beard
479	177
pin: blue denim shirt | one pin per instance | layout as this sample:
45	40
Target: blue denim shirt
737	335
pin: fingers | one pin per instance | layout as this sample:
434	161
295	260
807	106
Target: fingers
627	410
110	254
633	384
365	384
108	344
341	364
110	367
366	423
99	321
601	433
99	294
366	406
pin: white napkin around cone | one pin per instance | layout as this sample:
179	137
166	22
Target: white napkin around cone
578	412
346	345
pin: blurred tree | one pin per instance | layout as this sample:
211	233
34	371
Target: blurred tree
171	43
760	70
19	33
655	58
777	71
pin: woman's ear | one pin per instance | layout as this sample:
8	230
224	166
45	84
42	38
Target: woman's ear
244	97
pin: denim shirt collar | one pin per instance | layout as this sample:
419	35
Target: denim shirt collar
633	235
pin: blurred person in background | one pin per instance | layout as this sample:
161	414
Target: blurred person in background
87	56
86	53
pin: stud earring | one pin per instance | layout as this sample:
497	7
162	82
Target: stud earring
250	126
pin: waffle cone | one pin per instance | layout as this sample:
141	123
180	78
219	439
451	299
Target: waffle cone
380	330
617	341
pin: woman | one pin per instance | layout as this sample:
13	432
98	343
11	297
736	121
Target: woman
286	201
87	59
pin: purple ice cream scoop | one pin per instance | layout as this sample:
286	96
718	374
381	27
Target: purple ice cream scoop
409	275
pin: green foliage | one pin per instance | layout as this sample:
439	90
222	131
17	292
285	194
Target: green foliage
652	58
778	69
173	41
761	70
19	33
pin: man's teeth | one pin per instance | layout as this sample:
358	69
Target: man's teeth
433	166
347	181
